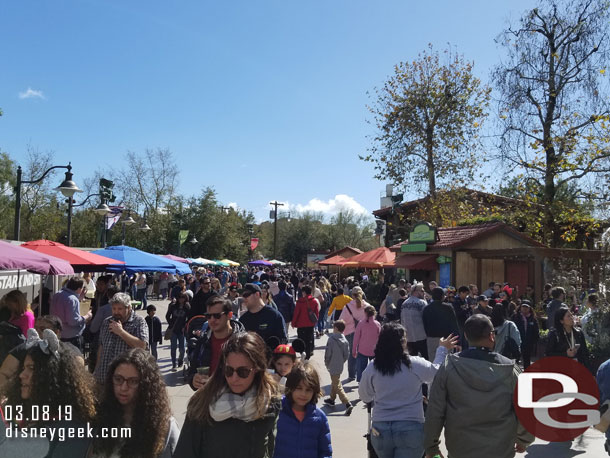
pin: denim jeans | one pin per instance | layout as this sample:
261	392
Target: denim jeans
322	319
361	362
153	349
177	339
351	361
141	296
398	439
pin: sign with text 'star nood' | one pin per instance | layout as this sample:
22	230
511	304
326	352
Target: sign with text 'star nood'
22	280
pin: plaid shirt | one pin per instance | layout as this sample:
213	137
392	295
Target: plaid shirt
113	345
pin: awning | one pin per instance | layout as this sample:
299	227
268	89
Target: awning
375	259
81	261
140	261
417	262
332	261
14	257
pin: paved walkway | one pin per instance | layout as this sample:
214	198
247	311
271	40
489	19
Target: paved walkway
347	432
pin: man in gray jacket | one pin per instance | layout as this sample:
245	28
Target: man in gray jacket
335	356
472	398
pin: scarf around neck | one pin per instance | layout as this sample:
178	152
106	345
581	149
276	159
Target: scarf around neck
231	405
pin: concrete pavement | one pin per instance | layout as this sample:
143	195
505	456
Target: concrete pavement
347	432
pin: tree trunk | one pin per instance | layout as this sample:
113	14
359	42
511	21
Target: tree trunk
430	160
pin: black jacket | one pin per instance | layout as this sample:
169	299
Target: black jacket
439	320
285	305
529	335
201	355
231	438
198	302
557	345
154	329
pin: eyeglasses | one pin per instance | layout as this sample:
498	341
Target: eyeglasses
132	382
493	331
242	371
206	283
216	316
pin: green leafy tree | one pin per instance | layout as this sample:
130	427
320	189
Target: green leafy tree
553	113
428	117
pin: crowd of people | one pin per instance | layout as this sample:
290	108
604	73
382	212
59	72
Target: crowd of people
426	358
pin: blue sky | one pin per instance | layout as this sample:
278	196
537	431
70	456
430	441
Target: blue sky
262	100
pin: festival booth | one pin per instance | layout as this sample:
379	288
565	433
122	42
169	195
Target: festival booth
176	258
202	262
379	258
80	260
23	269
140	261
261	262
230	263
484	253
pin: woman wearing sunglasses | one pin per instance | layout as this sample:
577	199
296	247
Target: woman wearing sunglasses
234	414
135	397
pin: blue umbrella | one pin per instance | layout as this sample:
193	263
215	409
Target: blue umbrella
137	261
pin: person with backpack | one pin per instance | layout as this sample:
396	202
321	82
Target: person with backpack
305	318
508	338
352	314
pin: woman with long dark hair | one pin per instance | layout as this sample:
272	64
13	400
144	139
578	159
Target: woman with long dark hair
567	340
234	414
135	397
53	390
177	317
394	382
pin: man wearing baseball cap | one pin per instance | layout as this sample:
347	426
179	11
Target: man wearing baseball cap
260	318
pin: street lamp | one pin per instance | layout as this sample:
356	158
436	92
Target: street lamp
127	222
102	209
68	188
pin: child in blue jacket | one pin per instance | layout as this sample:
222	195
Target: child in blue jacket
302	428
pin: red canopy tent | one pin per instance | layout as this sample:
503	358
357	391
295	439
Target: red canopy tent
79	259
332	261
375	259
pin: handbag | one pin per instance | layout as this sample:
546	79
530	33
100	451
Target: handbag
312	315
354	318
168	333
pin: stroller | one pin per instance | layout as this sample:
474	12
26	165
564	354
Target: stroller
193	329
369	431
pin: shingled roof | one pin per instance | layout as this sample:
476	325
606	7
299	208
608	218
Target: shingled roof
455	237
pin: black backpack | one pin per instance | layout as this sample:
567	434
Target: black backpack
511	348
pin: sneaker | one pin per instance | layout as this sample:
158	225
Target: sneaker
329	401
348	409
180	363
173	368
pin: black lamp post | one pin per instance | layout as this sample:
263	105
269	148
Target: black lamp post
102	209
127	222
68	188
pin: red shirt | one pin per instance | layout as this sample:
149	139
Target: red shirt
216	348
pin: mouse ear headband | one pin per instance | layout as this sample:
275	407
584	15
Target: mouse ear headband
49	344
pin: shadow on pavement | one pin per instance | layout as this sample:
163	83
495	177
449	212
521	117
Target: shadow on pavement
560	449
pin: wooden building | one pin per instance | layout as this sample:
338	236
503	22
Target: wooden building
488	252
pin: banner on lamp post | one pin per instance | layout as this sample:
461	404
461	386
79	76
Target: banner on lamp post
182	236
253	244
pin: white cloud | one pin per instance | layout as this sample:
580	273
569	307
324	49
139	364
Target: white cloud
341	202
32	94
233	205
